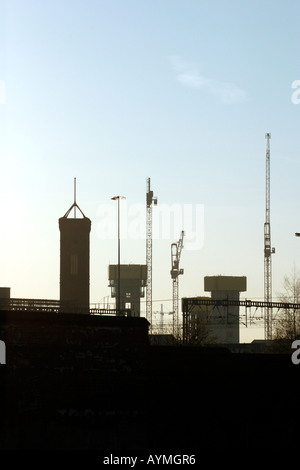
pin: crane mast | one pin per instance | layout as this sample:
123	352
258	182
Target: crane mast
268	251
176	249
149	200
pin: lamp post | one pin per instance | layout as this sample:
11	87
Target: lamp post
117	198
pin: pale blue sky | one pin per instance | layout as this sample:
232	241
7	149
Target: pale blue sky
111	92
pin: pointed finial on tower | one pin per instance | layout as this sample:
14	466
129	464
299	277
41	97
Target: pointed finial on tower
75	197
74	205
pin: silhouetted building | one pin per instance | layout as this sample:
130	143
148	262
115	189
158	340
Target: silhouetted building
132	286
4	296
200	323
4	292
75	261
225	320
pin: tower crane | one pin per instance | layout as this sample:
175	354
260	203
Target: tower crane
268	251
176	249
149	200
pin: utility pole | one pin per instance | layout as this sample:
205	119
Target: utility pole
268	251
117	198
149	200
176	249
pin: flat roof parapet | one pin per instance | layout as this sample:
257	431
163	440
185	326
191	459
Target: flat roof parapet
225	283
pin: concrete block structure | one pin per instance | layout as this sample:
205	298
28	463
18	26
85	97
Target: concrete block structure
224	320
4	296
133	279
200	323
4	293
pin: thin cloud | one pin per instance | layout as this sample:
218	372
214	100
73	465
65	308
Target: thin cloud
188	75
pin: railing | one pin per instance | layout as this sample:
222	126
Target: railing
189	303
46	305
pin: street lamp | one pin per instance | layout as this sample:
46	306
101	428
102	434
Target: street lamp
117	198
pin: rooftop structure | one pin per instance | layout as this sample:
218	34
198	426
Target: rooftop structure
133	279
74	260
225	319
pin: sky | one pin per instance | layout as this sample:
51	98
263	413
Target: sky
111	92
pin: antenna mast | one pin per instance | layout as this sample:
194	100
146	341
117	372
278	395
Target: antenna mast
149	200
75	198
268	251
74	205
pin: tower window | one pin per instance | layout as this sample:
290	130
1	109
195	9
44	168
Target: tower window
74	264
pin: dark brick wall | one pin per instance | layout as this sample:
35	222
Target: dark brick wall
111	391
